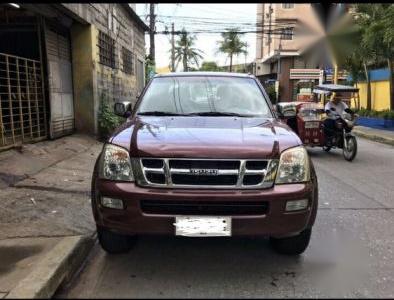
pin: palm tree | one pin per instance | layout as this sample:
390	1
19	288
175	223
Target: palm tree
185	52
232	44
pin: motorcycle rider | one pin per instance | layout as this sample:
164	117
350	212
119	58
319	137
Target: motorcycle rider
333	108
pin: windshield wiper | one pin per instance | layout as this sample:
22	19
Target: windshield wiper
159	113
203	113
218	114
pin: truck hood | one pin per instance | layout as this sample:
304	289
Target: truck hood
204	137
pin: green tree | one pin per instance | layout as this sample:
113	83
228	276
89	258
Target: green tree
345	46
376	22
210	66
149	68
232	45
185	51
360	45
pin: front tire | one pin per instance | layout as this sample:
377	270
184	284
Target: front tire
293	245
349	152
114	243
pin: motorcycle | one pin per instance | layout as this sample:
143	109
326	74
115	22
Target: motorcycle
306	118
342	136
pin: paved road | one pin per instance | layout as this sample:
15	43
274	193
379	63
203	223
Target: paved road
351	253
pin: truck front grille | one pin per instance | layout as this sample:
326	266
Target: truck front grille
205	173
204	179
227	208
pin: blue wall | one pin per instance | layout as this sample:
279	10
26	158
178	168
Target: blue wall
376	123
376	75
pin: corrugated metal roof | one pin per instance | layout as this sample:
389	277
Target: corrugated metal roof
336	88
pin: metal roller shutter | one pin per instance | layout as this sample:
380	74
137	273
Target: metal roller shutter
58	49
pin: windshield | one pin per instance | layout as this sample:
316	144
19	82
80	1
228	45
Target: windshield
204	95
312	112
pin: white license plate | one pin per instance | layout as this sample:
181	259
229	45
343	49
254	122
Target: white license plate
195	226
311	124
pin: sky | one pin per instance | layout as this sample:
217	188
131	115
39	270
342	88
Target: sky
202	17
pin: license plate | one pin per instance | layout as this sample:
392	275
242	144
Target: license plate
194	226
311	124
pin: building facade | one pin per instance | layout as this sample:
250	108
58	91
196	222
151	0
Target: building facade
58	62
291	48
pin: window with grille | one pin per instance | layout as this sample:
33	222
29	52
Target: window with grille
127	57
106	50
287	5
287	33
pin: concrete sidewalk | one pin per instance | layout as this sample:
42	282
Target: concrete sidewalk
378	135
44	207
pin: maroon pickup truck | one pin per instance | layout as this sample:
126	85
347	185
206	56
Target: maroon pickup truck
203	154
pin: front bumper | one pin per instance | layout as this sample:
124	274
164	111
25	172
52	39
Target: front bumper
276	222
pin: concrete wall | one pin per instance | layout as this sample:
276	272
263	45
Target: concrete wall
84	85
92	80
380	95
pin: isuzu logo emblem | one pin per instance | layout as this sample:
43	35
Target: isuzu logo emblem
203	171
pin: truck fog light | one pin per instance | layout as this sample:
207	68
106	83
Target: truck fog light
296	205
112	203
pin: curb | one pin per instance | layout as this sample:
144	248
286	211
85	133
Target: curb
57	266
373	137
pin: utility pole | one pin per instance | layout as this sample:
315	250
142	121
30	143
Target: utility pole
270	11
152	21
172	48
279	66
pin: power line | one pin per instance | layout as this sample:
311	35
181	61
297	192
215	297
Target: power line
220	10
217	20
219	25
178	32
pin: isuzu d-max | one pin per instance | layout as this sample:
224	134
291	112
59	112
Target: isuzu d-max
203	154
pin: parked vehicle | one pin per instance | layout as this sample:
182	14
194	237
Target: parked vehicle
307	120
203	154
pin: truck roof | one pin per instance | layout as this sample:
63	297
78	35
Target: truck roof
222	74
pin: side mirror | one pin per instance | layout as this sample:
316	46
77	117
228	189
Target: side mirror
122	109
278	111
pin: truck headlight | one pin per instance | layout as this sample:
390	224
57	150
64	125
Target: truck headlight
116	164
293	166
